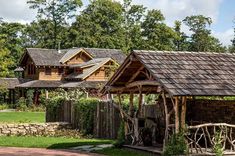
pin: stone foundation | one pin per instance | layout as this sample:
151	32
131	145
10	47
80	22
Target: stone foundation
35	129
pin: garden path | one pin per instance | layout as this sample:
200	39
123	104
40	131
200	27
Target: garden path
15	151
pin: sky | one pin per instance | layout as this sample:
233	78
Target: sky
222	13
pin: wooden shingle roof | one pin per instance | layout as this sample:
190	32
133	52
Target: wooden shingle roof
51	57
11	83
115	54
45	57
61	84
189	73
184	73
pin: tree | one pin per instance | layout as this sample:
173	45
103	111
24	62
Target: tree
57	11
5	59
38	34
181	43
232	47
157	35
99	25
11	35
133	15
201	39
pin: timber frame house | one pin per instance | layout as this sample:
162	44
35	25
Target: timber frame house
184	82
83	68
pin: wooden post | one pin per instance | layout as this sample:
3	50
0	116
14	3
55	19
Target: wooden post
131	108
9	96
139	113
14	99
166	121
183	112
47	95
176	108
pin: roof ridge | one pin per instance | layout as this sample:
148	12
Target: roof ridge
101	48
182	52
42	48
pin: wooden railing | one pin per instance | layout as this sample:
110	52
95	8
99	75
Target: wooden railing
203	138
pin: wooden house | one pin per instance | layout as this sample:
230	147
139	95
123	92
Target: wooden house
185	83
85	68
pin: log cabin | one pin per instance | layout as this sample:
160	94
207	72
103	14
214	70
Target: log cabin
84	68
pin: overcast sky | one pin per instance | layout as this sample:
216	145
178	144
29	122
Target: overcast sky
221	11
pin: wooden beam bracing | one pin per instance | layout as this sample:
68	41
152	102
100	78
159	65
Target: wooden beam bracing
136	74
142	83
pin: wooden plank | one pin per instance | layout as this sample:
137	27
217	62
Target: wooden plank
142	83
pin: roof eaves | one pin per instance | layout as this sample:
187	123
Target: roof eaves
99	65
79	50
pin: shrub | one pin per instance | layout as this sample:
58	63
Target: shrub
176	145
218	147
21	104
4	106
121	136
34	108
53	107
29	97
85	114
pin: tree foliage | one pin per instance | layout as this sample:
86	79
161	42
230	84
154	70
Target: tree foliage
133	16
56	11
6	60
102	24
201	39
11	36
99	25
156	34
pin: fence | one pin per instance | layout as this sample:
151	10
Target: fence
106	118
107	121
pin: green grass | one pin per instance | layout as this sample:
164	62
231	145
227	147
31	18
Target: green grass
22	117
120	152
48	142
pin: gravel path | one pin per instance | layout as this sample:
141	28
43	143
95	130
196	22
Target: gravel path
15	151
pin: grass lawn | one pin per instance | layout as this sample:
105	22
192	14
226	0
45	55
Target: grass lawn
48	142
22	117
120	152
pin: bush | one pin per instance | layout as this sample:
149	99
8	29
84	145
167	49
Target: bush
4	106
218	147
29	97
21	104
53	107
34	108
176	145
121	136
85	114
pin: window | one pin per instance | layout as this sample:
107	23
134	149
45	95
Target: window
47	71
60	71
31	69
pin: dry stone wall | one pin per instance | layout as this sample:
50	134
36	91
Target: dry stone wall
35	129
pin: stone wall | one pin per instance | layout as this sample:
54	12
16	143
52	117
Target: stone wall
33	128
205	111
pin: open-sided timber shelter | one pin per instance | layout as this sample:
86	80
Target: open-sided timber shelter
185	83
